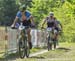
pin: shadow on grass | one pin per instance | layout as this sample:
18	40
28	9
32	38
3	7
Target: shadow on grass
15	56
38	57
12	56
63	48
2	59
9	57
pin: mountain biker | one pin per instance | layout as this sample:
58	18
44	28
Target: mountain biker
51	23
27	19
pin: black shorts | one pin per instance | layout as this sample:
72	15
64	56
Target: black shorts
26	23
50	24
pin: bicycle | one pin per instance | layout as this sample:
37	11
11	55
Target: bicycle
24	49
50	41
23	46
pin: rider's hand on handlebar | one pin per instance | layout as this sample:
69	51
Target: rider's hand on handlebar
12	26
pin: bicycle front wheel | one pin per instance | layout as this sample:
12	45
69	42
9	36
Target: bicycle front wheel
27	49
49	45
21	48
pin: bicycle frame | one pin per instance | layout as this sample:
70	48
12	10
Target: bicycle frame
50	36
23	41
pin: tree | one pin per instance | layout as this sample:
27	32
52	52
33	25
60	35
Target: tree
24	2
9	10
1	12
63	10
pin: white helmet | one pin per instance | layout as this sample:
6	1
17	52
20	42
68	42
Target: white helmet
51	13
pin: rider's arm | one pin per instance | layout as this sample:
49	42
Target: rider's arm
15	20
32	20
44	21
18	15
29	16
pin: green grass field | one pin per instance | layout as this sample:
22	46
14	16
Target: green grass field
16	55
66	52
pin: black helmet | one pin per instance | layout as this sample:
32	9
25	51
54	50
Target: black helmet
23	8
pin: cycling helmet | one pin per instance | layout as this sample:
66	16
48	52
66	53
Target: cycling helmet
51	14
22	8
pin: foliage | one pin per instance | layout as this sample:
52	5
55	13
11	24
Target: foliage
64	11
8	8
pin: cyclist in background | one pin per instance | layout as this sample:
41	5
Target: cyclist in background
50	21
52	25
27	20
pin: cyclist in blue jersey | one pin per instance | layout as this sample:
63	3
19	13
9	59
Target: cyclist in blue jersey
27	20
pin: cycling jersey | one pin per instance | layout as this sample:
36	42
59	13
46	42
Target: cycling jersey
26	22
19	14
50	22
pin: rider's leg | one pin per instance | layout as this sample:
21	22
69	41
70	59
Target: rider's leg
57	35
27	23
29	38
55	40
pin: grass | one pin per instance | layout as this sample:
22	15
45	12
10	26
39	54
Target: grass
36	49
16	55
66	52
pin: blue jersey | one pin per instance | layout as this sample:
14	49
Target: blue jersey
27	14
